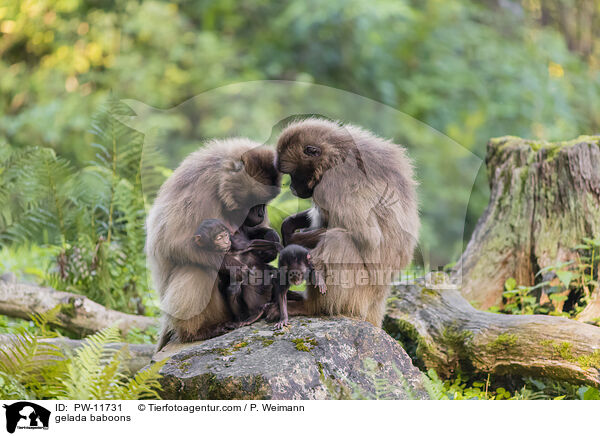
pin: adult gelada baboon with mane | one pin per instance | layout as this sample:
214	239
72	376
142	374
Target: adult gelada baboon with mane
230	180
364	223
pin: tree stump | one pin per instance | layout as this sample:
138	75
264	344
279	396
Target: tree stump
545	197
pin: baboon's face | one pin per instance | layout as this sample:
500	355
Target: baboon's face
306	152
212	235
295	266
297	272
250	181
222	241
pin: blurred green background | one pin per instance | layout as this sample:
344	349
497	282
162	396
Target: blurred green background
470	70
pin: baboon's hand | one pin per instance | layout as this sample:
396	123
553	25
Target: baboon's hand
319	280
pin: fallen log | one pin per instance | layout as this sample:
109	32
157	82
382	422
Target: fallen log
451	335
77	314
544	198
139	355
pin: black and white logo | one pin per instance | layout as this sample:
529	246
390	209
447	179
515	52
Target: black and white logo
26	415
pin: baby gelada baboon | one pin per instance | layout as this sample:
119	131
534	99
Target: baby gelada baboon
230	180
364	223
295	267
246	298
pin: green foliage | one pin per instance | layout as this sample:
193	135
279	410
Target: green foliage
580	278
576	281
285	204
37	188
588	393
137	336
552	389
8	325
519	300
462	388
27	367
91	219
95	372
29	262
31	368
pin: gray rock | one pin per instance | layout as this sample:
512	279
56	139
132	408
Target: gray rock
314	358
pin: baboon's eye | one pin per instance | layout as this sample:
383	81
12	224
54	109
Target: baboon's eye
311	150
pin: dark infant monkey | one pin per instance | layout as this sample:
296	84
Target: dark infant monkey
241	258
295	266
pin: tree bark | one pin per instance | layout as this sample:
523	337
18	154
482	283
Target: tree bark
140	355
545	197
78	313
450	334
591	312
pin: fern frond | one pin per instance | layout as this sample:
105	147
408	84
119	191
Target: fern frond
119	148
145	384
109	381
33	368
37	196
12	389
42	319
119	151
84	368
25	355
434	386
28	225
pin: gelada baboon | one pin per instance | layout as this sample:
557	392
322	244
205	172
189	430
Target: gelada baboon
294	267
364	223
230	180
245	298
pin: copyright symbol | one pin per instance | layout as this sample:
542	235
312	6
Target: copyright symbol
141	407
